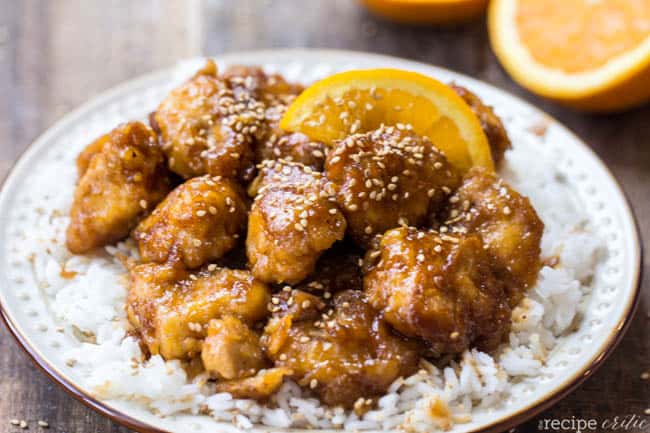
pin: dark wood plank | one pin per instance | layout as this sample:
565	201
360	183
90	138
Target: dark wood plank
56	55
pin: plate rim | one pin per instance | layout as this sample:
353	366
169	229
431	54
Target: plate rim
614	337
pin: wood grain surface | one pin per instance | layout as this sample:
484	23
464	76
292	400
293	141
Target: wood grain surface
57	54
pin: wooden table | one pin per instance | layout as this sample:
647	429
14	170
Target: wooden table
57	54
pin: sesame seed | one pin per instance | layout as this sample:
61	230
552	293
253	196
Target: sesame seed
506	210
304	339
212	267
200	213
143	204
212	210
14	422
437	248
645	375
454	335
313	383
420	258
197	242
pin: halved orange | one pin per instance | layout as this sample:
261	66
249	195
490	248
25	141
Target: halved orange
588	54
363	100
427	11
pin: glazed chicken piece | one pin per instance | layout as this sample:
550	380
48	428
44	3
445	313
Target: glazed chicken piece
345	354
294	147
338	269
506	222
231	350
388	177
198	222
294	218
300	305
86	155
281	171
259	387
490	122
171	307
438	287
272	89
277	94
208	126
123	177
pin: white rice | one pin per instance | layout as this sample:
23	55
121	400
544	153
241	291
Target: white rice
90	307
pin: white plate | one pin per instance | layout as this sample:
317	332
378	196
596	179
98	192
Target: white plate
610	307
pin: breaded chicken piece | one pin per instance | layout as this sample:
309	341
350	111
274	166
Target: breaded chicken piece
231	350
294	147
272	89
86	155
388	177
490	122
345	354
508	225
280	171
338	269
294	218
259	387
208	126
170	307
198	222
123	177
300	305
439	288
277	94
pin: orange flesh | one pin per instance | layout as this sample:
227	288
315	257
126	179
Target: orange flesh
580	35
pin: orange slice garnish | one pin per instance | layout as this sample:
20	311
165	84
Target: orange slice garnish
363	100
